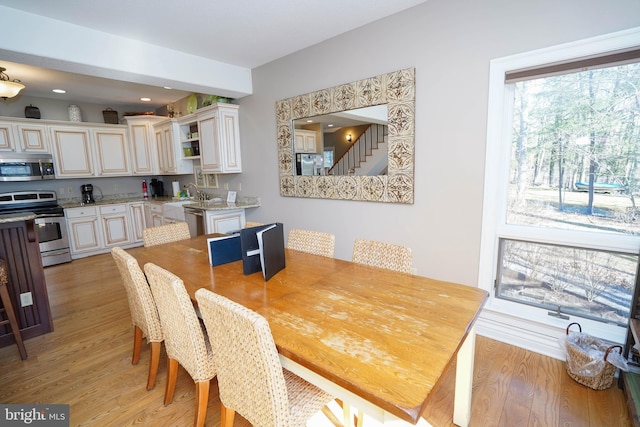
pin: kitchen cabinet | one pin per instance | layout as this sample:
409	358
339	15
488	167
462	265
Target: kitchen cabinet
219	135
305	141
23	137
142	142
138	223
85	151
153	214
224	221
71	151
7	138
170	154
96	229
116	228
85	236
20	249
112	156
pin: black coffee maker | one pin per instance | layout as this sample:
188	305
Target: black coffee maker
87	193
157	188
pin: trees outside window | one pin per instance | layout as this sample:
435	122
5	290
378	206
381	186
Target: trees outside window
562	221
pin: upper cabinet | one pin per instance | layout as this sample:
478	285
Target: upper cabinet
212	135
305	141
23	136
219	139
142	144
82	151
171	159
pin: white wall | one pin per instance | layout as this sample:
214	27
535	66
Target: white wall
450	43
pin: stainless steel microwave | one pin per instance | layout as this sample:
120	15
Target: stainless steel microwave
26	167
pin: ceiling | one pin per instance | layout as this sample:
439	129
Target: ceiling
244	33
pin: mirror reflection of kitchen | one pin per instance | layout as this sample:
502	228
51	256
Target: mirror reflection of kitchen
346	143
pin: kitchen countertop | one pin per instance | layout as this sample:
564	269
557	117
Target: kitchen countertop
242	202
15	217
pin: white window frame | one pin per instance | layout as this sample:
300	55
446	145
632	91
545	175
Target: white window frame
512	321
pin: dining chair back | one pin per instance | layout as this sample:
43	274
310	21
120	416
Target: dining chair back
144	314
313	242
251	380
166	233
184	337
383	255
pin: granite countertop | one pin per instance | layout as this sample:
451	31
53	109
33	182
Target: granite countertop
16	217
216	203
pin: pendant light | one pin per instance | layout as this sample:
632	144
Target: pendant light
9	88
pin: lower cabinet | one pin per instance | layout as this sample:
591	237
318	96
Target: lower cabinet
138	222
226	221
96	229
84	231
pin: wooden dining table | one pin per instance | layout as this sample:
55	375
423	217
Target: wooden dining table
377	339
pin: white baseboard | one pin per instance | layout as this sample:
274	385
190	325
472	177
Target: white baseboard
525	334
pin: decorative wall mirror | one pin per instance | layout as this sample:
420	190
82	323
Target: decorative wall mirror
396	90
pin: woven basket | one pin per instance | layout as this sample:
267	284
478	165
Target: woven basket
601	378
110	116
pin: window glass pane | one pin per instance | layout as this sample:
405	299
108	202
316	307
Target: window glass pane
594	284
575	153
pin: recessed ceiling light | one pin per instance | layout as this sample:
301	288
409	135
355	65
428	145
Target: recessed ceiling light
309	121
167	87
59	91
330	125
145	99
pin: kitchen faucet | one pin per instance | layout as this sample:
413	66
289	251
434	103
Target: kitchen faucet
200	195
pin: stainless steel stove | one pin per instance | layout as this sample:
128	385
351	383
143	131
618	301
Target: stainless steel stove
50	222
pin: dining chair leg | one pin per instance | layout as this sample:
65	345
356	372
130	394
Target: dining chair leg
202	399
172	377
137	345
226	416
154	362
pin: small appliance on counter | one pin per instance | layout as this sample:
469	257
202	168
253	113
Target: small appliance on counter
157	188
87	193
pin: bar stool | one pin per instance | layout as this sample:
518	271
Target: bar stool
8	309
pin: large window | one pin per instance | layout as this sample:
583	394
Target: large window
561	231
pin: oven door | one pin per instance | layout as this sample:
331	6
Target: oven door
54	243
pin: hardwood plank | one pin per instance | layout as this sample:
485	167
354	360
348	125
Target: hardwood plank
86	362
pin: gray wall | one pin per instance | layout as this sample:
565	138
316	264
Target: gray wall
450	44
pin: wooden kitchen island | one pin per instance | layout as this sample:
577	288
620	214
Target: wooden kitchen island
20	249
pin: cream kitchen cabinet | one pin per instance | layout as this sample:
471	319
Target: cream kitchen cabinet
116	227
142	142
219	139
85	151
305	141
96	229
111	152
224	221
71	151
7	137
22	136
170	154
138	220
153	214
85	236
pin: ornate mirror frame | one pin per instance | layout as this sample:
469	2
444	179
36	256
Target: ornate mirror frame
397	90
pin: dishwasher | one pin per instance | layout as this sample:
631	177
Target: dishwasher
195	220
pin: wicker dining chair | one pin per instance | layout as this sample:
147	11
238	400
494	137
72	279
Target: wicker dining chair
313	242
184	337
166	233
251	380
144	313
383	255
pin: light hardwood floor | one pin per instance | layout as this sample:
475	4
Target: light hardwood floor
86	362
